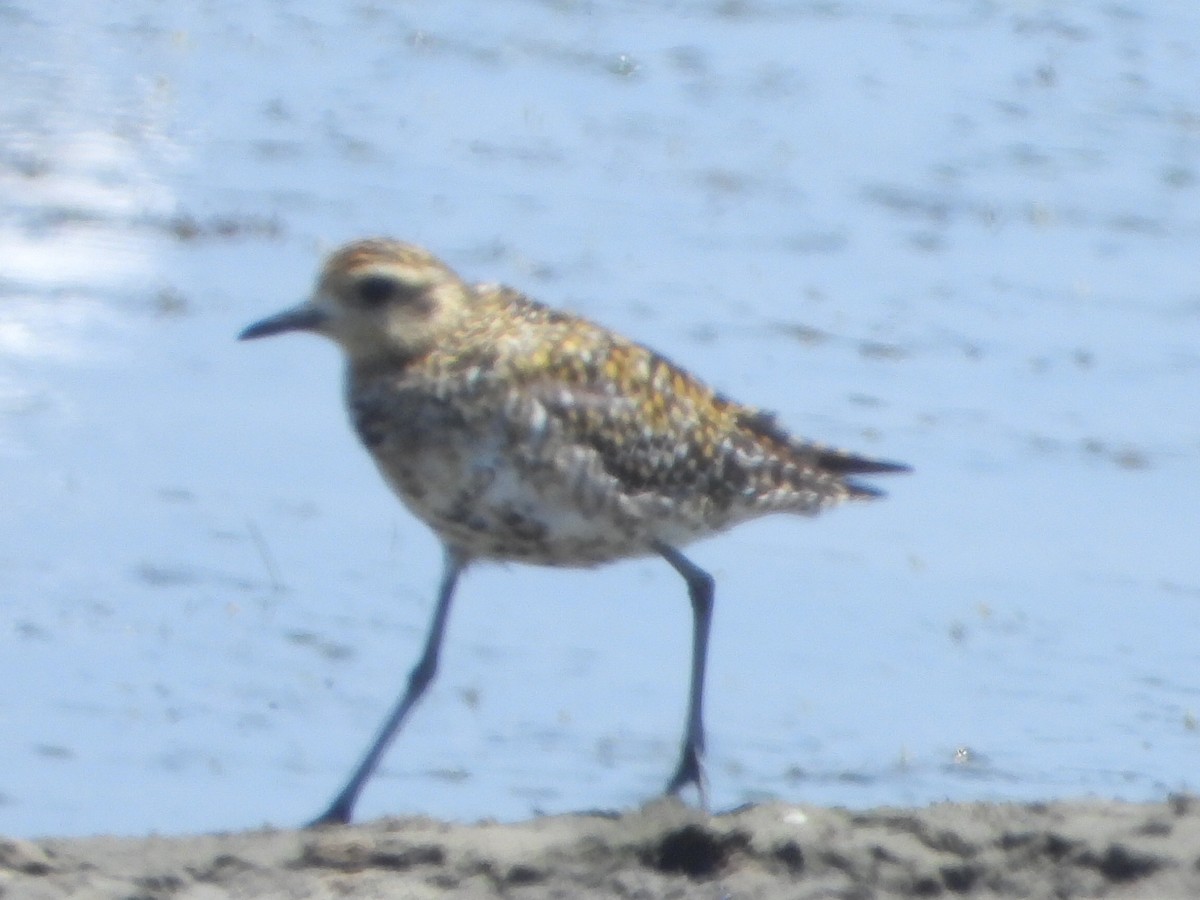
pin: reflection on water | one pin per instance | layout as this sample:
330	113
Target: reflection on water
84	179
963	240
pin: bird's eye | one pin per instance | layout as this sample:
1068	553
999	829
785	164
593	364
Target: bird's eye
376	290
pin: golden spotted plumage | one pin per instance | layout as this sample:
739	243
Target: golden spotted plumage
519	432
663	456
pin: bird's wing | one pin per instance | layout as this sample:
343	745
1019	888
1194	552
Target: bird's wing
627	421
651	426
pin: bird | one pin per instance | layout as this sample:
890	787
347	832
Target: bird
519	432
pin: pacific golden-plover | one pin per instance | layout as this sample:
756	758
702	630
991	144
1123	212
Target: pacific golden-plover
521	433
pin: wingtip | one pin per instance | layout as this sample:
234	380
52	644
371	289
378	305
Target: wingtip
849	466
844	463
882	467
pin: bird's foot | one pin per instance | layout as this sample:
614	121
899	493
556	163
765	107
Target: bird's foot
690	771
338	814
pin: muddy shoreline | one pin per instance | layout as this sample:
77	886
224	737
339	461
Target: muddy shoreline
1068	849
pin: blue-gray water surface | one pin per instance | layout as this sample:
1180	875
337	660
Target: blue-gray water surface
962	235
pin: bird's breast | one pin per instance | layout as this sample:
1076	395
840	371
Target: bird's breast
497	482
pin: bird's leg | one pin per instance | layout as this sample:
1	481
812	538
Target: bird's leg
690	769
419	679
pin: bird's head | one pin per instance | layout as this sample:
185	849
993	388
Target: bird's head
377	298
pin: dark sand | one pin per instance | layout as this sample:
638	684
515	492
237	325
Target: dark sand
1090	848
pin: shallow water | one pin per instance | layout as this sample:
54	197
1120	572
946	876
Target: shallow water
960	236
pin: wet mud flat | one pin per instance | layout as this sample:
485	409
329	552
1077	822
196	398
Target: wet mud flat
1068	849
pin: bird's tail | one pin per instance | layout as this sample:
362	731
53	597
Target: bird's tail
846	465
840	463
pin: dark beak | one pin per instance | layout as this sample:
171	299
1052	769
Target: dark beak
299	318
